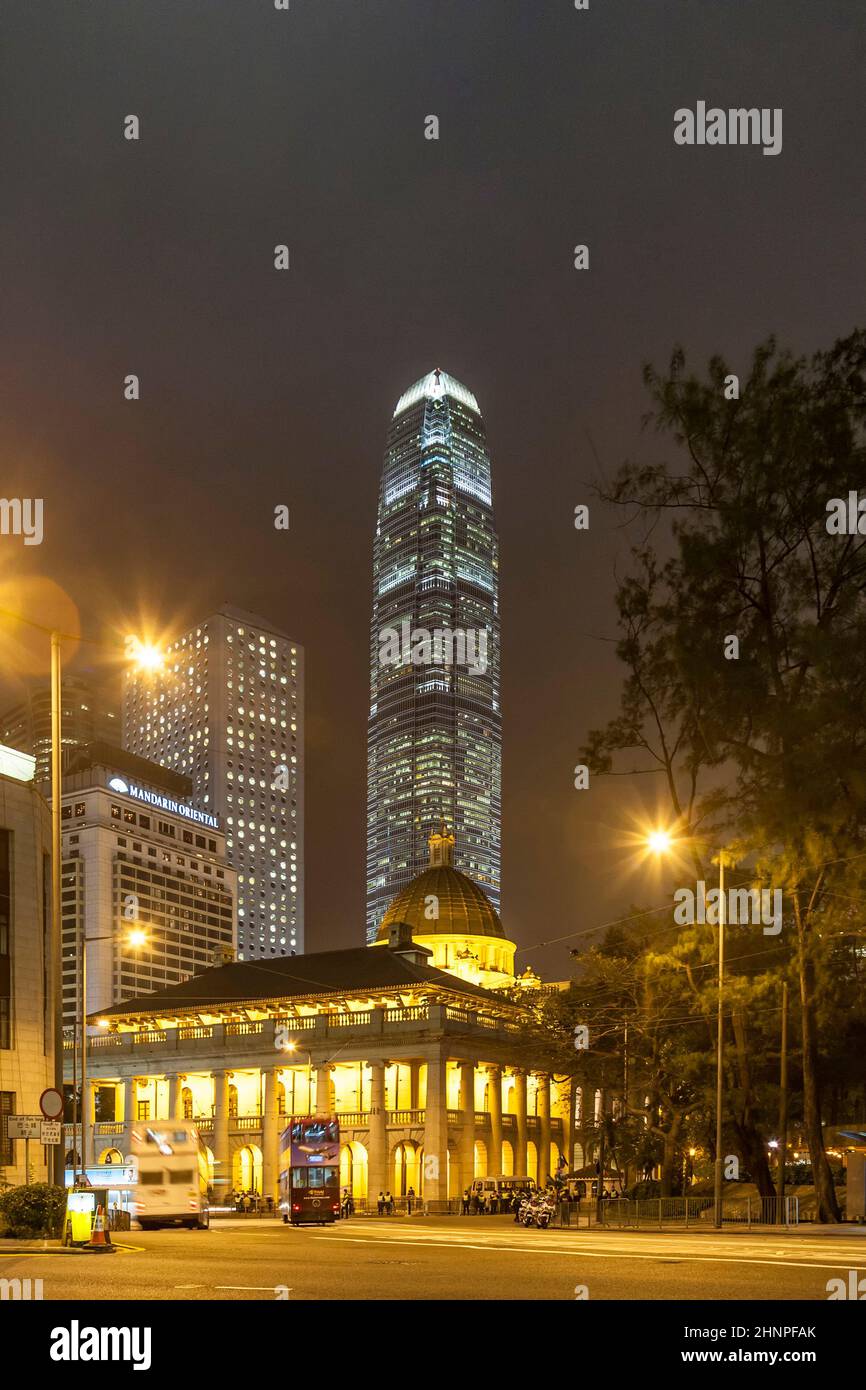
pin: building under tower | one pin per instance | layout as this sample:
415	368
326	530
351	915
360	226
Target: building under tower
434	734
227	711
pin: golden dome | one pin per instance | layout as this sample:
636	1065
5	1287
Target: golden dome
442	900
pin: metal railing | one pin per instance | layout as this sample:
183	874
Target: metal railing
687	1212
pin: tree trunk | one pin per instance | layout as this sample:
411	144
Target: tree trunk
825	1192
753	1148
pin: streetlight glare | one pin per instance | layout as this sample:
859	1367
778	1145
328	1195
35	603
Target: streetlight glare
137	938
145	656
659	841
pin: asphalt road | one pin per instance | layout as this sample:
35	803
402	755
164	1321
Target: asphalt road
466	1258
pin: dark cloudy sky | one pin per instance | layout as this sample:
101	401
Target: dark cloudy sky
260	127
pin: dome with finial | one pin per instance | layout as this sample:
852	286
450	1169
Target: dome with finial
442	900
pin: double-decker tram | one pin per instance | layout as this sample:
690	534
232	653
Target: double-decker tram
171	1174
310	1170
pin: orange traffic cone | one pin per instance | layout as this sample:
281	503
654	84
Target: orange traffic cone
99	1236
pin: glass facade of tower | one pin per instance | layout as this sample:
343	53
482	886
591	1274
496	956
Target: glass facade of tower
434	735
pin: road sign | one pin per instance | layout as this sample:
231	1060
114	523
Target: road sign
51	1104
23	1126
51	1132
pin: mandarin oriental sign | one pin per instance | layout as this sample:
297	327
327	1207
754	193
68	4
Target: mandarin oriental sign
164	803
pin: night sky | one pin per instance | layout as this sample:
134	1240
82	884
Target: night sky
261	127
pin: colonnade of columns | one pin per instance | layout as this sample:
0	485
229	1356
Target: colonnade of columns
436	1126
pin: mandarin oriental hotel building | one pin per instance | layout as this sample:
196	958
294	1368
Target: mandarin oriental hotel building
138	860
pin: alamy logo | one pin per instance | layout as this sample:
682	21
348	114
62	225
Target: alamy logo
736	126
743	907
20	1289
77	1343
846	517
22	516
444	646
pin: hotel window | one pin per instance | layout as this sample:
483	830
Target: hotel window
66	813
142	1110
115	812
128	816
144	822
80	808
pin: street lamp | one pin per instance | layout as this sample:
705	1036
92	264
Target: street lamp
135	939
660	842
293	1047
146	656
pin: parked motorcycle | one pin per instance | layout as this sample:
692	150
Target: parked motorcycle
538	1210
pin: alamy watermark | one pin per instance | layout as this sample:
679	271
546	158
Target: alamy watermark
444	646
22	516
743	907
737	126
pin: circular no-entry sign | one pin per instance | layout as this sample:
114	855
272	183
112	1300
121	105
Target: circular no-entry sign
51	1104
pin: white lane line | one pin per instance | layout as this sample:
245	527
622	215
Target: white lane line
251	1288
584	1254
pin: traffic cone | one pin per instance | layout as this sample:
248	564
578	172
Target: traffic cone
99	1236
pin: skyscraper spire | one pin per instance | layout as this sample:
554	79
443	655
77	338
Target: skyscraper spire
434	736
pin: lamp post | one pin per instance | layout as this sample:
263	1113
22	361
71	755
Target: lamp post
293	1047
146	657
660	841
135	939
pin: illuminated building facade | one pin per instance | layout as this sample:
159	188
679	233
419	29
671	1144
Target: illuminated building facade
434	733
89	713
227	710
138	858
429	1074
26	970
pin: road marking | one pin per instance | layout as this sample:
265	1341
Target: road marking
250	1288
685	1257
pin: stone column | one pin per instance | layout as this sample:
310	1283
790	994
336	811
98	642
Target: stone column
494	1158
221	1150
467	1140
377	1152
324	1091
130	1088
543	1128
436	1137
414	1085
175	1096
520	1160
271	1134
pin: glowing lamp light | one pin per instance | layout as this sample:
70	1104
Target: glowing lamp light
137	938
659	841
145	656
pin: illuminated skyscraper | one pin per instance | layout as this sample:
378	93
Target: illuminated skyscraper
228	712
434	735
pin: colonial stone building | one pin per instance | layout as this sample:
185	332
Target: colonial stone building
428	1071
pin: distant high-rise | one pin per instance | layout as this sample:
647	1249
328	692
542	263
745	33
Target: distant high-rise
89	713
434	734
228	711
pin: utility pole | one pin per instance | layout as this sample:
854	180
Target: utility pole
720	1038
56	974
602	1160
783	1093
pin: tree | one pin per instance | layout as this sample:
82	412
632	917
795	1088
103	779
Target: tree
763	752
